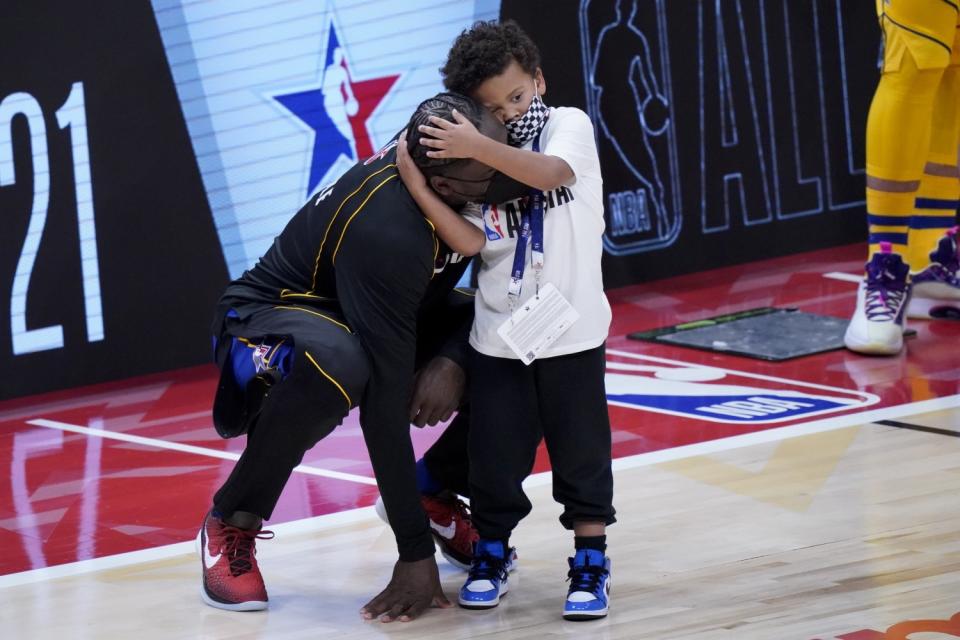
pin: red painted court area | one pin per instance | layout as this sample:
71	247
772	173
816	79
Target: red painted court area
131	465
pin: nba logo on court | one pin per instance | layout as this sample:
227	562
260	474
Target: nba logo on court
720	395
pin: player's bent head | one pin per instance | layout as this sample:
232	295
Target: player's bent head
457	180
442	106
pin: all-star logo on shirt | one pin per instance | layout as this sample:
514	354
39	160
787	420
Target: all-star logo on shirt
504	220
337	110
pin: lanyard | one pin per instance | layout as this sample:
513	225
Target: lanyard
531	231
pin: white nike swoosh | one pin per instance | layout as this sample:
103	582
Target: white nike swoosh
208	559
446	532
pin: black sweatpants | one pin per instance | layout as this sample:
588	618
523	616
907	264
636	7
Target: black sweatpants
307	405
561	399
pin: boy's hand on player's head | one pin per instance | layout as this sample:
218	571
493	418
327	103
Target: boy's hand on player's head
458	139
410	173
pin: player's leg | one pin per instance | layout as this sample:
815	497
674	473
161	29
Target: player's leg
898	138
323	374
933	248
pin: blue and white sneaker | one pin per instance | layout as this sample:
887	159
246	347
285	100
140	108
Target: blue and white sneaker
488	579
589	594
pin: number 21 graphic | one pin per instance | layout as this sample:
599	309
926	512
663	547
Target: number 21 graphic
72	115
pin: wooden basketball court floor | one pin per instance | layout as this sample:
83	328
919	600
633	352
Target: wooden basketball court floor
832	514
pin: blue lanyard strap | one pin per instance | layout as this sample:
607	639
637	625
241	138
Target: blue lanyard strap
531	230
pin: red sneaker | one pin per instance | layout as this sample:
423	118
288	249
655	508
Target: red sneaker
231	577
452	528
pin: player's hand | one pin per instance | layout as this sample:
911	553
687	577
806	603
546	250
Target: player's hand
414	587
410	173
458	139
437	391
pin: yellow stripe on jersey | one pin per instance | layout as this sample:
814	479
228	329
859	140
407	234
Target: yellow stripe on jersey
333	259
436	245
316	264
315	313
287	293
330	378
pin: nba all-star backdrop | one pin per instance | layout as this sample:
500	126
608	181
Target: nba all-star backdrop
151	149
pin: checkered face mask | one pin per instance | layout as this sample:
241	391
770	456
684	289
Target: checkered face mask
528	125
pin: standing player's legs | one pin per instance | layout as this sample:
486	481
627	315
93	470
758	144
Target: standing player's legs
576	429
932	243
324	376
502	443
898	139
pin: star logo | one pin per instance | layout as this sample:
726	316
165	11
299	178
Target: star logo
337	111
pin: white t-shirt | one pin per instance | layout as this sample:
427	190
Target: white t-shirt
572	241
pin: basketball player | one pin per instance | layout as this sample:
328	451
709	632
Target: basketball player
334	316
913	185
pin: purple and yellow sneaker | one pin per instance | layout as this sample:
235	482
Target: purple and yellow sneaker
936	289
879	321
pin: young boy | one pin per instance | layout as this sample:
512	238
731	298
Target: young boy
560	396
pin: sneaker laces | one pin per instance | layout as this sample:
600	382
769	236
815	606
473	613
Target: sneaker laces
461	509
887	287
945	259
586	577
239	545
448	505
487	567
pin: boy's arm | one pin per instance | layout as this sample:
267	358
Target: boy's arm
539	170
453	229
462	140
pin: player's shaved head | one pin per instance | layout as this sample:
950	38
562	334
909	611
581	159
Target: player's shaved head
469	178
440	106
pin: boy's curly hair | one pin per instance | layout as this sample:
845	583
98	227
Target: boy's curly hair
484	51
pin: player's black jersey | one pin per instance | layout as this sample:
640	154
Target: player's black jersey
367	210
361	248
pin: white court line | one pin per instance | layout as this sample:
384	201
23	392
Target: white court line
846	277
321	523
307	525
772	435
189	448
869	398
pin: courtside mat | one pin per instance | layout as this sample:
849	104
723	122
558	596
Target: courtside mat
767	333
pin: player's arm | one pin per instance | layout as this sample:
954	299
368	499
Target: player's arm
462	140
381	279
453	229
441	381
381	276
